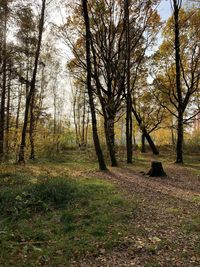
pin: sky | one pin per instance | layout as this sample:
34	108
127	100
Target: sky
164	9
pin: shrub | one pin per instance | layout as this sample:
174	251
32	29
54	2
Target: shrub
24	201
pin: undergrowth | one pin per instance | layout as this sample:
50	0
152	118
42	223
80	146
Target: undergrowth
57	219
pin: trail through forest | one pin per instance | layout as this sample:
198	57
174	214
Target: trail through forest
184	190
165	204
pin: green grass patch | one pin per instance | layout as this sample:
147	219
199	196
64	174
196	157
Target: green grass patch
196	198
172	210
58	219
193	227
74	160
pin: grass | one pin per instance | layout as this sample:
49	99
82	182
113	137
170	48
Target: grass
142	162
193	226
50	220
196	198
52	213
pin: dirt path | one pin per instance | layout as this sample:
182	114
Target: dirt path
165	206
166	186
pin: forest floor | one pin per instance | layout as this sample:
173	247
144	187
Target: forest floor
64	212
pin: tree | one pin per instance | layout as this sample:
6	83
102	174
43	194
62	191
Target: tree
151	114
109	56
27	46
178	76
110	61
99	153
177	7
5	13
80	106
129	128
31	92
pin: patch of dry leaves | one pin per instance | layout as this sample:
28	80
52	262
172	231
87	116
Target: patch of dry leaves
165	204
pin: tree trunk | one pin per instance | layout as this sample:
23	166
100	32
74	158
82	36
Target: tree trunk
87	125
134	139
129	128
143	148
83	122
79	117
146	134
8	114
110	139
32	128
3	92
54	116
156	169
179	146
20	88
151	143
97	145
75	116
32	86
40	98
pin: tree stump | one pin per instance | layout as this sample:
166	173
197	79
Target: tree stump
156	169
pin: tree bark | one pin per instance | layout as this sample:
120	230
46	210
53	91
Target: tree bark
179	147
3	92
32	128
129	127
32	86
8	113
97	145
54	115
156	170
110	139
151	143
20	89
87	124
83	121
146	134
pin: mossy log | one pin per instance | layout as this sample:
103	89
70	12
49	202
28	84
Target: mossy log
156	169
